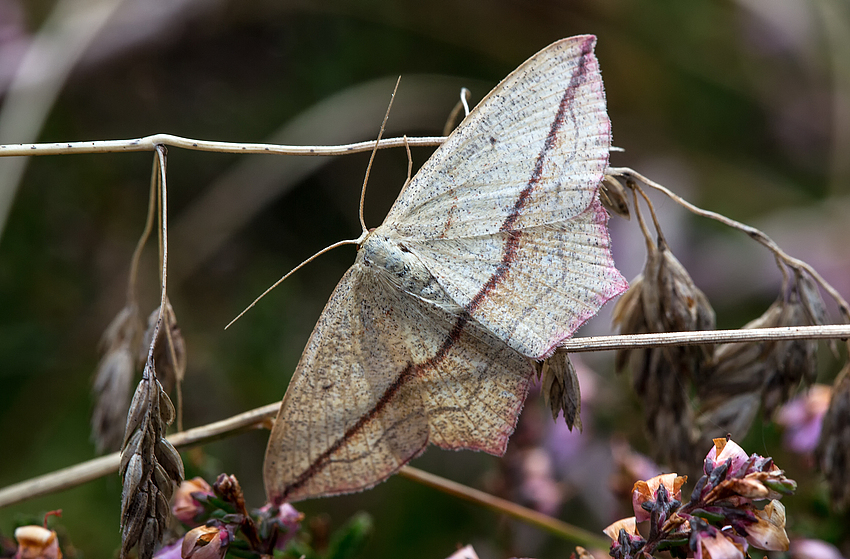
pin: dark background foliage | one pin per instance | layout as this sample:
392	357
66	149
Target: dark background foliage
742	106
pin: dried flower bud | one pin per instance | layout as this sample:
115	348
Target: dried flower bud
627	542
114	378
561	389
613	196
186	507
36	542
206	542
170	361
628	524
833	452
646	493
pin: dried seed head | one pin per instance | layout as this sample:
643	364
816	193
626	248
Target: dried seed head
665	299
150	466
613	196
169	353
833	452
561	389
114	378
743	375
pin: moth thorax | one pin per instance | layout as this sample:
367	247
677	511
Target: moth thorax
400	265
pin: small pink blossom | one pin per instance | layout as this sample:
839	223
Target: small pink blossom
814	549
802	418
722	451
287	519
186	507
645	491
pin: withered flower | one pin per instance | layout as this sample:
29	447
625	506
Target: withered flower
560	387
206	542
721	518
169	353
613	196
745	374
648	492
186	507
665	299
114	378
37	542
833	451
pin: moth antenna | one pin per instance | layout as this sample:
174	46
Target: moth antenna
295	269
372	157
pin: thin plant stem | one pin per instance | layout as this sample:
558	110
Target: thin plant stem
163	201
543	521
149	143
263	417
756	234
143	239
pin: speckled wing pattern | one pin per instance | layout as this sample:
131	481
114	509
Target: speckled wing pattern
495	252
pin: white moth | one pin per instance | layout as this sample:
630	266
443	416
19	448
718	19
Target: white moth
495	252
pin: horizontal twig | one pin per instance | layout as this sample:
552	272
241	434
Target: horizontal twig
552	525
259	417
105	465
707	337
149	143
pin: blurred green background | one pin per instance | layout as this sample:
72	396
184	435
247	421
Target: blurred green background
742	106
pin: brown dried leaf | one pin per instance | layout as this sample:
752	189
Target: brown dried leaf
561	389
114	377
170	361
613	196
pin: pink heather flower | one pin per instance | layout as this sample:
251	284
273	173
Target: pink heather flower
628	524
287	519
36	542
186	507
205	542
464	553
814	549
802	418
722	451
644	491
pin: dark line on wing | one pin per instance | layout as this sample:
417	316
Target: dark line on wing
508	255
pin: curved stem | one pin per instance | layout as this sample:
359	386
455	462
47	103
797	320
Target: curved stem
756	234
